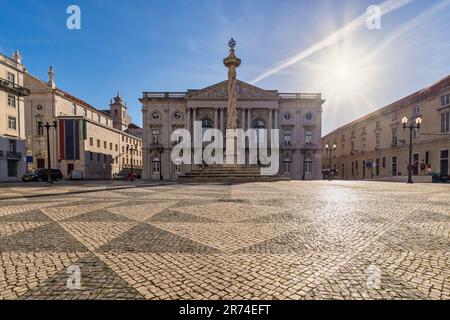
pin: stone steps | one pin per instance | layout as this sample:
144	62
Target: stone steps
228	174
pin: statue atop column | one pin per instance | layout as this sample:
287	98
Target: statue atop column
232	63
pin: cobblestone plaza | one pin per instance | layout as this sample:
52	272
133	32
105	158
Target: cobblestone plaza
278	240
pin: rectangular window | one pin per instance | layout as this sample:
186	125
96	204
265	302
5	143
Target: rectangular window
445	100
416	110
444	162
308	137
110	146
445	122
416	133
394	137
155	134
98	156
11	101
394	117
287	137
12	145
12	123
427	158
104	158
104	145
98	143
39	129
91	141
308	167
117	148
394	166
91	156
74	109
12	168
377	167
11	77
377	140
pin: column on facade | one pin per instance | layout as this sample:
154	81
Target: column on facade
194	116
188	119
270	119
216	118
276	119
221	119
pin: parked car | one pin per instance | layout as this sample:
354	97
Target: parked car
125	174
42	175
439	177
122	175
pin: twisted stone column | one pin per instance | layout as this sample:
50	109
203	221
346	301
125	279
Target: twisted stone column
232	63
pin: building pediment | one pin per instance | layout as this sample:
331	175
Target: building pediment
244	90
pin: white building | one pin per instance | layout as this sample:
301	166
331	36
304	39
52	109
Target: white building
297	115
12	120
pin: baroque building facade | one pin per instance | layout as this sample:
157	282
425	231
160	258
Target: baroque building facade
12	124
88	142
376	146
297	115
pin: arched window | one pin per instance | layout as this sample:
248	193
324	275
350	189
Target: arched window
156	166
308	116
287	166
206	124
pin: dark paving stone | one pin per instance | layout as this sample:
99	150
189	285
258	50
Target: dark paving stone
353	282
28	216
412	239
50	237
98	282
173	216
150	239
304	241
99	216
284	217
428	216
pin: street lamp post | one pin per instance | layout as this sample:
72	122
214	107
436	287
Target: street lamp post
131	152
49	164
411	128
329	153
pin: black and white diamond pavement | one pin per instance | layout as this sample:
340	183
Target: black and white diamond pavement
276	240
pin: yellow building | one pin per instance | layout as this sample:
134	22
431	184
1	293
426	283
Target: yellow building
377	146
87	142
12	128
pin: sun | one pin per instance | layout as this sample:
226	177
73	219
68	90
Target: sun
344	73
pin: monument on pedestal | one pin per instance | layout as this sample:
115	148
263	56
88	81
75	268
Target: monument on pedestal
232	63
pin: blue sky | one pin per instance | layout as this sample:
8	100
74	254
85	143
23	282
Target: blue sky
135	46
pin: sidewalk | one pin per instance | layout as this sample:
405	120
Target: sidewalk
19	190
